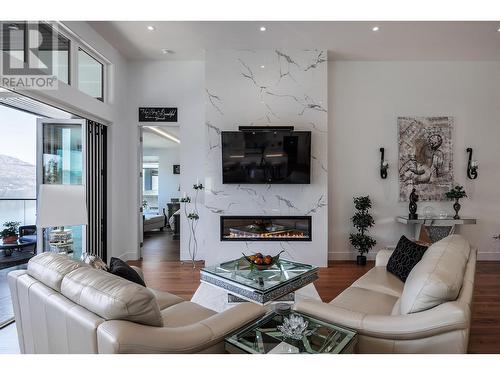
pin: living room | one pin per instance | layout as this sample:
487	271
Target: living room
334	189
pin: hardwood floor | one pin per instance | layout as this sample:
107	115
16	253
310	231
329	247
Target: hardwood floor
159	246
183	280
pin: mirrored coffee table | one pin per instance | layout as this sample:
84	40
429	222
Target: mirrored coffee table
244	282
266	337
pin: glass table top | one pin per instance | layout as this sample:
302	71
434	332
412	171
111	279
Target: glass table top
266	337
241	272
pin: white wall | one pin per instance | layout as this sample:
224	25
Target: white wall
168	182
365	99
178	84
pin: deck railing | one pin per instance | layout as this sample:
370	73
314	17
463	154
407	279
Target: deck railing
17	209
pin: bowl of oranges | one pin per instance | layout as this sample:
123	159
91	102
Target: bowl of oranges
262	262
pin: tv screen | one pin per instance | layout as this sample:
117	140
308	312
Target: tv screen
266	157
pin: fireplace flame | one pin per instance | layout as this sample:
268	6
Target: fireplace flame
268	235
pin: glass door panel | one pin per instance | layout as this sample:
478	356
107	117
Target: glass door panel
61	161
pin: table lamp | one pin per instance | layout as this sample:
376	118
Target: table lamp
59	206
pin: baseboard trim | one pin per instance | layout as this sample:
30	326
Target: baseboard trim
348	255
488	256
128	256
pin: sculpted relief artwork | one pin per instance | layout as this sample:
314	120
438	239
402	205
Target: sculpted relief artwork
425	157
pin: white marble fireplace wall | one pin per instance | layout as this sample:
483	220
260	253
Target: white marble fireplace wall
265	87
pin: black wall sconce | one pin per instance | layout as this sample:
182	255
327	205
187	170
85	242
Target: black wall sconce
472	166
384	165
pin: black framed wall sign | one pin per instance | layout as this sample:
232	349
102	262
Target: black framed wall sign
176	169
157	114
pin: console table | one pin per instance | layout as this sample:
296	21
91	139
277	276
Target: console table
438	227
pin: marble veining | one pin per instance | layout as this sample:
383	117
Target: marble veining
265	87
320	59
320	203
288	202
215	101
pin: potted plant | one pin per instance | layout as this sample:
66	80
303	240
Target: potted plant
362	220
456	193
9	234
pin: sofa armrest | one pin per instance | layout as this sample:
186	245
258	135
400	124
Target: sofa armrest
382	257
446	317
443	318
330	313
230	320
119	336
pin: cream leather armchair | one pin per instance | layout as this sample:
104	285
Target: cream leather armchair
430	313
64	306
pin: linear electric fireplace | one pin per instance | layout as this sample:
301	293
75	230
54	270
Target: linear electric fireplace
265	228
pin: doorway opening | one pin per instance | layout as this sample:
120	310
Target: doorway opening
28	146
160	193
43	145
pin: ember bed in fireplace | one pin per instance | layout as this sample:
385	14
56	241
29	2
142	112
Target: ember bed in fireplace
265	228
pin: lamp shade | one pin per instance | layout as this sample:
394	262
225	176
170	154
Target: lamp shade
61	205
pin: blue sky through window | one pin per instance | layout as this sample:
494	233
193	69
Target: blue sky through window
18	134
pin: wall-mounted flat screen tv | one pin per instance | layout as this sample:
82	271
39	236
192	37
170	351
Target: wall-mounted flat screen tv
266	157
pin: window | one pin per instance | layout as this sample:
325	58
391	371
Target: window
90	75
35	48
53	51
36	45
13	43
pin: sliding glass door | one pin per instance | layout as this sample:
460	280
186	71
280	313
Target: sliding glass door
61	155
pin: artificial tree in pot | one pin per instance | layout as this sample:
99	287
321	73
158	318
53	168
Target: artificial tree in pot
362	221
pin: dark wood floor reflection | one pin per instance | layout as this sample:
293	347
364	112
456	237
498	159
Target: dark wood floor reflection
181	279
159	246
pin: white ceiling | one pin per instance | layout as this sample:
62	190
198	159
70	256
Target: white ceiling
344	40
153	140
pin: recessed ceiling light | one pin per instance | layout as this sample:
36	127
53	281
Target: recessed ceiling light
262	66
375	28
150	28
498	30
262	28
166	51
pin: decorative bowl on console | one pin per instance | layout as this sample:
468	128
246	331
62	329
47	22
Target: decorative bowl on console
262	262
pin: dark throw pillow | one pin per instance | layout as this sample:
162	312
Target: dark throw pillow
404	257
119	268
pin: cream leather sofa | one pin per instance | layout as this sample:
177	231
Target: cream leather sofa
430	313
64	306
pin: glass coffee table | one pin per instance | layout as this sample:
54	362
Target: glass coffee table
243	282
266	337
